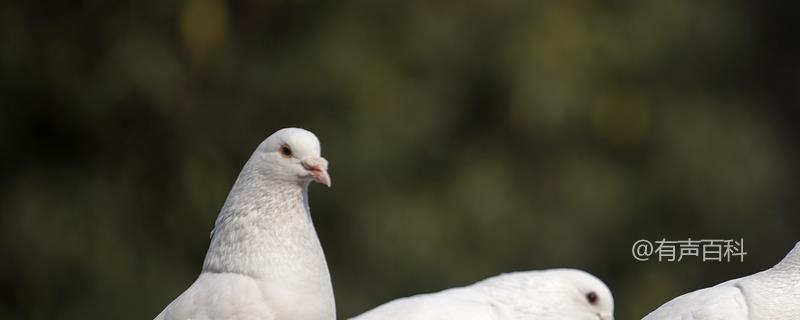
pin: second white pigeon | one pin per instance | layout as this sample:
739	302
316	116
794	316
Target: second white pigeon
556	294
773	294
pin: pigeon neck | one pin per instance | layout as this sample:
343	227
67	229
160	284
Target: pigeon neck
792	260
507	293
261	222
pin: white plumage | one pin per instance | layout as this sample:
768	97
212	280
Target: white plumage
265	260
557	294
773	294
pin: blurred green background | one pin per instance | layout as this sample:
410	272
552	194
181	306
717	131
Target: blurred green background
466	138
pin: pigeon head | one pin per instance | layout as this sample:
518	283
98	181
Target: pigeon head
590	295
293	155
553	294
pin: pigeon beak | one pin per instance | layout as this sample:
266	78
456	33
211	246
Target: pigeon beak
317	167
605	316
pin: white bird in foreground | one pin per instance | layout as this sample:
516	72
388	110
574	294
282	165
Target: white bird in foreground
556	294
265	261
773	294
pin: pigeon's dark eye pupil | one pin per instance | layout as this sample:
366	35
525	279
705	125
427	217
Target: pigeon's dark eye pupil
592	297
286	151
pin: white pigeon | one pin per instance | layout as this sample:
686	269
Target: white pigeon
555	294
773	294
265	261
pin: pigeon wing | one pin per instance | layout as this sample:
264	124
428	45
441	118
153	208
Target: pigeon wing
458	303
219	296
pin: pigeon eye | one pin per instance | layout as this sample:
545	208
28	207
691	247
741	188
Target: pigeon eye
286	151
591	297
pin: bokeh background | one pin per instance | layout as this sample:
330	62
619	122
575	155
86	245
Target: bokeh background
466	138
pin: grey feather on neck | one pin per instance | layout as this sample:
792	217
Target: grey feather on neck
257	210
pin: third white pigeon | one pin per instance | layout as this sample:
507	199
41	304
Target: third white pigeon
773	294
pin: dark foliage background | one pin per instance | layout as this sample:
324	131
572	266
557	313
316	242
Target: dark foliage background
466	138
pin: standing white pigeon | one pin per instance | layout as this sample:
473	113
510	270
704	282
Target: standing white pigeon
265	261
773	294
556	294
